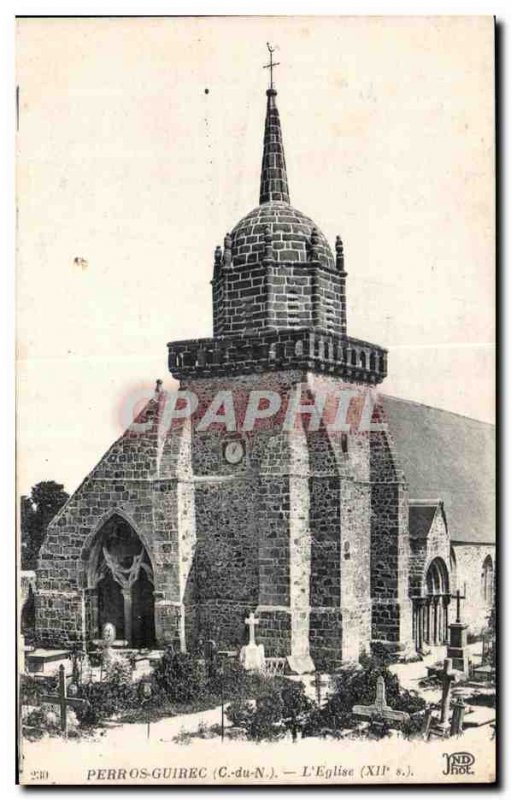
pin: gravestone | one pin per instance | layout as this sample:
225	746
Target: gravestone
379	711
107	644
210	656
62	700
457	648
252	654
447	676
441	727
320	682
458	715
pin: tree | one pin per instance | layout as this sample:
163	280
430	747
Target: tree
37	511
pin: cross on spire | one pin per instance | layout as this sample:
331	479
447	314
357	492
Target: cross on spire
273	186
272	63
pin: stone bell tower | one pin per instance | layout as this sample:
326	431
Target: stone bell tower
305	527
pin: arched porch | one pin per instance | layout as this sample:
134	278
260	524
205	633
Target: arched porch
431	609
120	584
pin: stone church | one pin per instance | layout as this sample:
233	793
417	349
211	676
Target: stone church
338	542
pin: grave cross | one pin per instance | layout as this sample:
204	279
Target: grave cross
379	710
62	700
459	597
447	676
251	621
319	683
210	654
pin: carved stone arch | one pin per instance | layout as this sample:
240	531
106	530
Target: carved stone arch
436	591
89	541
119	580
436	577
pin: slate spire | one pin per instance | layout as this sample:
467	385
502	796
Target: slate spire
273	169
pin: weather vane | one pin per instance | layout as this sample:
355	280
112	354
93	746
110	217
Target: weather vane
272	63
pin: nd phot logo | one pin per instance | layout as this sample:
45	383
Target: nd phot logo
458	763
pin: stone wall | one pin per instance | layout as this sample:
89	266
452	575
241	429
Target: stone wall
282	296
469	568
302	531
124	483
390	548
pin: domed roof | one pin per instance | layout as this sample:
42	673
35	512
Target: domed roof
291	233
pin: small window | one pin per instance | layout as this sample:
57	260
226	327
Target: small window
487	580
347	553
344	442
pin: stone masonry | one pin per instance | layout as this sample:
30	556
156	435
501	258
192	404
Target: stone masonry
309	528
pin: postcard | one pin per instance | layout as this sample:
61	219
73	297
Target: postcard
255	407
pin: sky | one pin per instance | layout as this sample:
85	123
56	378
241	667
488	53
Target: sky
139	146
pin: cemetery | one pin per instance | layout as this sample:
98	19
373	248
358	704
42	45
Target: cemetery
82	693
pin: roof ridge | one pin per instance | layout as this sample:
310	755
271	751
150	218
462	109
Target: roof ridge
437	408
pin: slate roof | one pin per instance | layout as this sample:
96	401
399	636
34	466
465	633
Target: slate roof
449	457
420	518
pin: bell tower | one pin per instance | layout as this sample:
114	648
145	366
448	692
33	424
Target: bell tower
302	527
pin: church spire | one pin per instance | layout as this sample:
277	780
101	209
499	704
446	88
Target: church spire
273	168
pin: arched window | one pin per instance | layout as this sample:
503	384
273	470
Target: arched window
434	619
487	580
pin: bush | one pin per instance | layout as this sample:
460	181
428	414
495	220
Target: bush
283	707
32	689
355	686
235	682
107	698
119	671
179	677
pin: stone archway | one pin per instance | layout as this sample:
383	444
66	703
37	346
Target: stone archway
120	581
436	591
431	606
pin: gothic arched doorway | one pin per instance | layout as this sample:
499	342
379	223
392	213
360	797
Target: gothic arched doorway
437	602
121	577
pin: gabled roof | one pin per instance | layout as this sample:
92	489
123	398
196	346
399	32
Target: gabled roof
450	457
420	517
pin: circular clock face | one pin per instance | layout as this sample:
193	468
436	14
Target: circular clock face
233	452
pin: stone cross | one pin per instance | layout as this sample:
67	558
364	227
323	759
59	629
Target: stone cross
379	710
447	676
318	683
459	597
251	621
317	687
62	700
